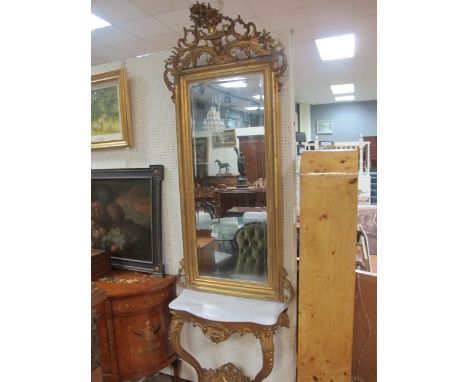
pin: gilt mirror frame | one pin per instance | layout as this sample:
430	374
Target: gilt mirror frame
212	48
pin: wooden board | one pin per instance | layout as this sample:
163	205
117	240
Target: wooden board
327	264
365	327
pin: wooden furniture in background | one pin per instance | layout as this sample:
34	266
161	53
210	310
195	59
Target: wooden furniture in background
238	197
365	328
206	246
253	148
100	263
214	181
373	151
98	296
327	264
133	327
219	317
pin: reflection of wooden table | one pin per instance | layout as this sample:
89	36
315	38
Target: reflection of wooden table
238	197
219	317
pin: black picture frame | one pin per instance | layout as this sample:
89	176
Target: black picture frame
134	245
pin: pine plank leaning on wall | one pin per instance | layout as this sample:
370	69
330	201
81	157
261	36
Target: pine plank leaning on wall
327	264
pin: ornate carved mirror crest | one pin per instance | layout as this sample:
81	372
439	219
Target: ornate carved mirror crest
217	39
225	77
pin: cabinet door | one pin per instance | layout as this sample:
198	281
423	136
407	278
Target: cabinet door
253	147
142	342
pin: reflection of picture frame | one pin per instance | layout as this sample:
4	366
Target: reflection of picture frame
126	217
324	127
110	114
228	138
201	170
201	149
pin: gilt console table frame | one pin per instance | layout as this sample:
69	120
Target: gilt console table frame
189	308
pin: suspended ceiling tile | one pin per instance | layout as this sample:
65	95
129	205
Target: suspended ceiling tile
365	29
145	27
289	19
136	48
112	35
96	44
110	53
268	7
158	7
165	42
365	8
234	8
116	11
175	20
329	12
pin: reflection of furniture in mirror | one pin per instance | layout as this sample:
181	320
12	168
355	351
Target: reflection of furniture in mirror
253	147
228	180
235	197
206	253
133	328
250	244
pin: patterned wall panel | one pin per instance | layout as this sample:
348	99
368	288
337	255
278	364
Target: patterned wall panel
154	129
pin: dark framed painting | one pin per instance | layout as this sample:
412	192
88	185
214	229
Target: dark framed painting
126	217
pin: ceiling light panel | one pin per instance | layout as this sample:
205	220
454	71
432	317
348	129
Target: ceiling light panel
97	22
334	48
344	98
234	84
342	89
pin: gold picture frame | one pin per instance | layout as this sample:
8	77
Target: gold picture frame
110	112
227	138
212	50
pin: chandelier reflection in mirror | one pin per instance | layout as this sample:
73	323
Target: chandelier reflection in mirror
213	122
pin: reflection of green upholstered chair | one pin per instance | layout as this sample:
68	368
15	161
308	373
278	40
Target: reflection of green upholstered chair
251	245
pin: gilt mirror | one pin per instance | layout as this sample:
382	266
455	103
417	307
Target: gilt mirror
225	79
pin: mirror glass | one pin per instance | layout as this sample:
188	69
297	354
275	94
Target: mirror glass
228	145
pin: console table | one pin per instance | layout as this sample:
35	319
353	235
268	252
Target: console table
220	316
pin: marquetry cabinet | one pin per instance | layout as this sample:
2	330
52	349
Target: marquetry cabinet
133	325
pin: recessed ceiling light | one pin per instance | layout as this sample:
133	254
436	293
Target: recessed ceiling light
97	22
342	89
234	84
258	96
344	98
333	48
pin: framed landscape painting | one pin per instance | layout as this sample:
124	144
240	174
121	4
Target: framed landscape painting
110	116
324	127
227	138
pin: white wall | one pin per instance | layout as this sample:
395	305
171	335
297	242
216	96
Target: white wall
154	128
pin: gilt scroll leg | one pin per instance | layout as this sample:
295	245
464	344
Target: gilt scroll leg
176	368
174	338
268	352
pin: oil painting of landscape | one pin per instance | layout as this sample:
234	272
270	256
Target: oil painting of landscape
110	111
105	116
